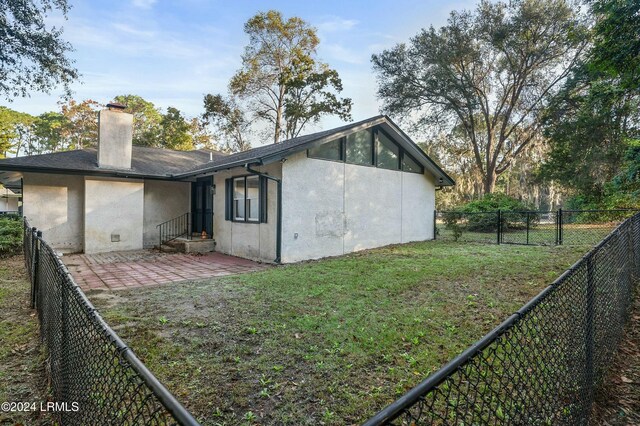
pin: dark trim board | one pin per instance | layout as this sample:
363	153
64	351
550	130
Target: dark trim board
96	173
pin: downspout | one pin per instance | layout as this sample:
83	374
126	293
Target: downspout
278	208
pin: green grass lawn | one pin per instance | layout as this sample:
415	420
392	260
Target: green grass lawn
22	376
331	341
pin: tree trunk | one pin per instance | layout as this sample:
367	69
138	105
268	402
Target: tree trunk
276	135
490	181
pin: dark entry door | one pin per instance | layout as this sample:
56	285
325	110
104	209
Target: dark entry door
202	206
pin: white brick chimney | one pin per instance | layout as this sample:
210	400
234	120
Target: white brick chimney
115	135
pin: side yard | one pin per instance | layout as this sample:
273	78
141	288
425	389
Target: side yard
326	342
618	402
22	376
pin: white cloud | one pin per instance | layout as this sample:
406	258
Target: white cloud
143	4
128	29
341	53
335	24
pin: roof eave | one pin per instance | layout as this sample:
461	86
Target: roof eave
431	165
278	156
63	171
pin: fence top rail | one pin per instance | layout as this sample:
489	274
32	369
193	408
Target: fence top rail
541	211
410	398
602	211
173	406
496	211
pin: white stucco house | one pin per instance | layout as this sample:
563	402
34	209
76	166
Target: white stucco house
358	186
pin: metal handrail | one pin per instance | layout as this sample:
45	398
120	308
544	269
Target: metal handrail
173	229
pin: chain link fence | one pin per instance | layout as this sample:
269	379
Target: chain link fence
543	364
94	376
559	227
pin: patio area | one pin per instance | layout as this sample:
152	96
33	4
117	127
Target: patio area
145	268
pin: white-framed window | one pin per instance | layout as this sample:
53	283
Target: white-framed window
253	198
239	193
244	197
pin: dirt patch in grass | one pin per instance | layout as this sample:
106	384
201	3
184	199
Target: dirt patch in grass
22	376
330	341
618	402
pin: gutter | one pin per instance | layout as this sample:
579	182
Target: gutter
101	172
279	209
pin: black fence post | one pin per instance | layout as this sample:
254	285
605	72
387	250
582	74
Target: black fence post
33	246
590	333
435	229
560	220
32	266
35	300
499	232
528	220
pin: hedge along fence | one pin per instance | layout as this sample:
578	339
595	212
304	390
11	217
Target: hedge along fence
10	234
542	365
99	378
559	227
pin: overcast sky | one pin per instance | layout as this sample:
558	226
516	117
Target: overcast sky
174	52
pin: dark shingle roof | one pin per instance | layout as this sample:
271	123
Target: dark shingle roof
274	152
168	164
145	162
266	151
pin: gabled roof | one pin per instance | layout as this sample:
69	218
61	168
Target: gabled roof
167	164
145	162
275	152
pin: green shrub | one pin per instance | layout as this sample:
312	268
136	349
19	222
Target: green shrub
494	202
490	204
10	236
452	223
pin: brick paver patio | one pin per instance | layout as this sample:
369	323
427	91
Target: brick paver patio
143	268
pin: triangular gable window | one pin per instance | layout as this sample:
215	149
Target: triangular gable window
366	148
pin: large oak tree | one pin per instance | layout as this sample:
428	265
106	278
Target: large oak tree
489	72
33	55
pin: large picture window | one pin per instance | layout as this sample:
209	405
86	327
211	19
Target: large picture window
387	153
328	151
410	165
246	199
370	147
360	148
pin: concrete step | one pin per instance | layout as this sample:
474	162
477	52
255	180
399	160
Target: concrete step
184	245
168	248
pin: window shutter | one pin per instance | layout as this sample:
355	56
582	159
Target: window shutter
264	207
228	199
